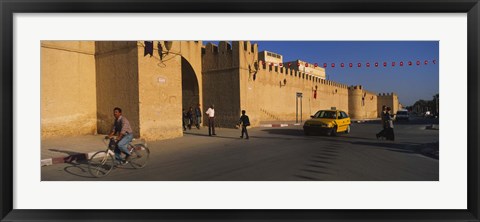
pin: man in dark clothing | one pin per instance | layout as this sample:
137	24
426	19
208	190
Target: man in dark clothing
389	135
384	123
245	121
184	117
190	118
198	116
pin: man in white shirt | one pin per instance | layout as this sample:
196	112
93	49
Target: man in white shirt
211	120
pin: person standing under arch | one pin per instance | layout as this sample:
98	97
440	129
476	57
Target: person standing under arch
211	120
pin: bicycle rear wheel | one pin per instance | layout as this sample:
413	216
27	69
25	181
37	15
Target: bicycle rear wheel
140	156
101	164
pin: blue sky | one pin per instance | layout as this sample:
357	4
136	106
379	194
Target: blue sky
411	83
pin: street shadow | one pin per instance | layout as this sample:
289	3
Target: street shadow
252	137
300	133
426	149
68	152
301	177
288	131
213	136
79	169
416	121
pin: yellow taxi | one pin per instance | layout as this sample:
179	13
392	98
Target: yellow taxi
329	122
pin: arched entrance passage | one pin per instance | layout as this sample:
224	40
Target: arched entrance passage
190	89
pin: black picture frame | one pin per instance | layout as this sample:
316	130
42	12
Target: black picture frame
9	7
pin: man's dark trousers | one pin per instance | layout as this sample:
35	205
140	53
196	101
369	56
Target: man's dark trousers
211	126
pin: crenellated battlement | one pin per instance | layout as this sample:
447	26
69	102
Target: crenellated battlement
386	94
355	87
295	74
218	57
264	77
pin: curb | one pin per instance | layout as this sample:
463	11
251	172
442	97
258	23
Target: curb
279	124
363	120
66	159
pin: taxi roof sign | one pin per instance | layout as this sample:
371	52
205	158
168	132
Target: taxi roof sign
333	108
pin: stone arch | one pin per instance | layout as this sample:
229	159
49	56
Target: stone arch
190	86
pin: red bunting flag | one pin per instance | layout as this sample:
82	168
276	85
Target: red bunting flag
352	64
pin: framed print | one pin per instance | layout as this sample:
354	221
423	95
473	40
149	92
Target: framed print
316	110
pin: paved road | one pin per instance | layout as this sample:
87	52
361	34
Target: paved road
280	154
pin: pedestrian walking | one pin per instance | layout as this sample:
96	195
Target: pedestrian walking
381	134
198	116
389	128
211	120
190	117
184	117
244	121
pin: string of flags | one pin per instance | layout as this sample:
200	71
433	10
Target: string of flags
357	64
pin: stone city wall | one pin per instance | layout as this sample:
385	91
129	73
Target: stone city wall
389	100
83	81
221	84
68	93
362	103
160	87
275	90
117	83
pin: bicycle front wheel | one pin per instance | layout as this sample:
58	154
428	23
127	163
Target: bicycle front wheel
101	164
140	156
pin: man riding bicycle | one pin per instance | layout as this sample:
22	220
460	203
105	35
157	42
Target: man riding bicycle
123	130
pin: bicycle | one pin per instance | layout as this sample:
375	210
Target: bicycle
102	162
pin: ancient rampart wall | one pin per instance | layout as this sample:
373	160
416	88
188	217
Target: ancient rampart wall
68	94
160	91
221	82
389	100
117	83
276	89
268	93
233	80
362	103
83	81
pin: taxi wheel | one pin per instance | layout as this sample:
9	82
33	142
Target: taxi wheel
334	131
348	129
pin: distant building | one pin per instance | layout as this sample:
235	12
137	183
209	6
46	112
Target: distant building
275	59
306	67
270	57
